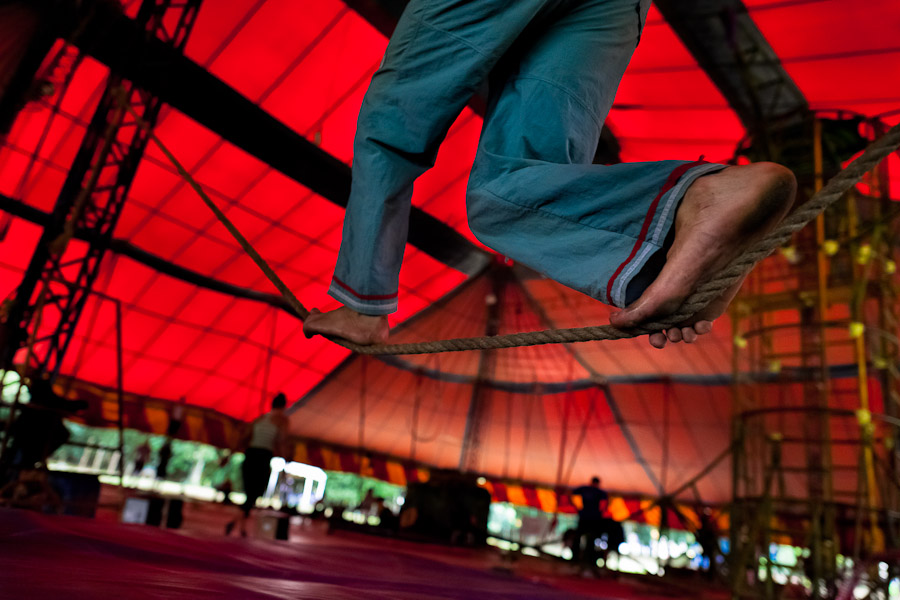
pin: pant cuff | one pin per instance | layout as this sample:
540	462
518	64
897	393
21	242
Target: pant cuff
661	222
367	305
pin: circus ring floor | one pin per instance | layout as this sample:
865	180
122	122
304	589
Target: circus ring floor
49	556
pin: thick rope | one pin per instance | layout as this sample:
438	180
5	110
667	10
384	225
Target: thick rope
270	274
707	291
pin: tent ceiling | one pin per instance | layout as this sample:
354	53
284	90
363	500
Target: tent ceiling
306	65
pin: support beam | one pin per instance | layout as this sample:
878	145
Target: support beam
117	41
125	248
25	43
56	283
381	14
727	44
479	405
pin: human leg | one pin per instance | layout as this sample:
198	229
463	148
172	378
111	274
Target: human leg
591	227
255	472
440	53
602	230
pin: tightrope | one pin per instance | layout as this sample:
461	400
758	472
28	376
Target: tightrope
708	290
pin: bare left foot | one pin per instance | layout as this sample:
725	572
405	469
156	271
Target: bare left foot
348	324
720	215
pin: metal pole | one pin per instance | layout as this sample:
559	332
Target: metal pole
362	411
120	392
15	405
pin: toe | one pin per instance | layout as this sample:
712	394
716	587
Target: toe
688	335
624	318
674	334
309	325
658	340
703	327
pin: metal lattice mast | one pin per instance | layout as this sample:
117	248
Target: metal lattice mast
815	460
61	275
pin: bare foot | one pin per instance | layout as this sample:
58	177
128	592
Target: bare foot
348	324
720	215
700	324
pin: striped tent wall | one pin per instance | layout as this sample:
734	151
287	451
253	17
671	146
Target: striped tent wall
211	427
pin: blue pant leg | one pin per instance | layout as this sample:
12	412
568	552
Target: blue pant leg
533	194
441	51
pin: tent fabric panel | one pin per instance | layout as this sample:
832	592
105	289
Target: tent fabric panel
18	239
210	355
466	315
562	450
389	395
666	107
696	431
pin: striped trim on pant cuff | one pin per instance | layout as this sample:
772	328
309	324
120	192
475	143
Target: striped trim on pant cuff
662	212
384	306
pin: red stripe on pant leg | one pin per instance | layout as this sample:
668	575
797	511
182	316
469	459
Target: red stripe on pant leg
671	180
362	296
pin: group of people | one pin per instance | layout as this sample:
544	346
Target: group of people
39	431
595	524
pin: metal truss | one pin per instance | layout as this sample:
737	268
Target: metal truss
61	275
816	467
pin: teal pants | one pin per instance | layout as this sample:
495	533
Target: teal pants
553	67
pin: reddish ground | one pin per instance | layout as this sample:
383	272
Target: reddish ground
56	556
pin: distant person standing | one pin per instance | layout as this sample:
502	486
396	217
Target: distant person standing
165	455
707	536
267	437
594	502
141	456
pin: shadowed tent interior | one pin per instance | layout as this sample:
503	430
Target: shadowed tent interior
644	419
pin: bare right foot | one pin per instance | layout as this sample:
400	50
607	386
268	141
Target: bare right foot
720	215
348	324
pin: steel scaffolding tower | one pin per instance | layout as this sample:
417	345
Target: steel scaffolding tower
60	276
48	303
815	463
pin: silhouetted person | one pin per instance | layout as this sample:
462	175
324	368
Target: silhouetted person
222	478
594	501
708	538
387	520
165	455
39	429
142	454
267	436
368	502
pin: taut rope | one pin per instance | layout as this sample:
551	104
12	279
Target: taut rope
707	291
